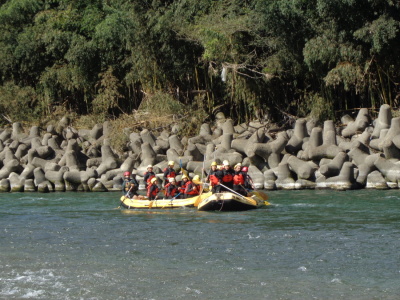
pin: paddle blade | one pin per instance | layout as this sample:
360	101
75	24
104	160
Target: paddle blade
259	194
184	172
201	198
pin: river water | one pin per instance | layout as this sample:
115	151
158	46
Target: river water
309	245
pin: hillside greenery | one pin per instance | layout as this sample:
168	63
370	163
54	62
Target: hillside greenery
264	59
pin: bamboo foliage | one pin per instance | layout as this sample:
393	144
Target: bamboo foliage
246	58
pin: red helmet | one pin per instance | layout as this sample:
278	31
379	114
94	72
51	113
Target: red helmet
245	169
127	174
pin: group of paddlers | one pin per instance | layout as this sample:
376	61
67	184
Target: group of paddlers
220	178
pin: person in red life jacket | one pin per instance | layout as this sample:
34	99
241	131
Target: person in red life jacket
169	172
238	180
182	186
226	176
171	189
152	189
148	175
197	181
130	185
212	177
191	189
248	182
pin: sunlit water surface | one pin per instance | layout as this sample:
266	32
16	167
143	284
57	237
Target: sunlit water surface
309	245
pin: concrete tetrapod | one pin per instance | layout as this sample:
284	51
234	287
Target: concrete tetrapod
303	169
284	178
361	122
390	170
364	163
375	180
383	121
345	180
57	178
388	135
296	141
265	149
269	180
333	168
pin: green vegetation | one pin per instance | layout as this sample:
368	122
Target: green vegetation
163	59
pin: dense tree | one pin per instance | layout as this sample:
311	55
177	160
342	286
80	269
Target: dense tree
247	58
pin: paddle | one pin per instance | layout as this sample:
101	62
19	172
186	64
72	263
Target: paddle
200	198
151	202
123	198
232	190
172	199
196	203
266	202
184	172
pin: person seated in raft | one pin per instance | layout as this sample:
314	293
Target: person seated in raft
238	180
226	176
182	186
212	178
130	185
197	181
152	189
169	172
191	189
148	175
171	189
248	182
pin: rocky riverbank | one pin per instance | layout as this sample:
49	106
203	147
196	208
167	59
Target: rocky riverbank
361	153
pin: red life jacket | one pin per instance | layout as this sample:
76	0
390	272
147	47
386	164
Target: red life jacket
152	191
151	175
170	191
169	173
213	177
191	189
183	186
238	179
227	176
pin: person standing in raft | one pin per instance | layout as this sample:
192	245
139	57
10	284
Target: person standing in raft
239	180
212	177
148	175
191	189
226	176
152	189
169	172
130	185
171	189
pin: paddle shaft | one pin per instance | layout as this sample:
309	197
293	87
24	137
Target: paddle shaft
125	197
231	190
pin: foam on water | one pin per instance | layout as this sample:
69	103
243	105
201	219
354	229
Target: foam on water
29	284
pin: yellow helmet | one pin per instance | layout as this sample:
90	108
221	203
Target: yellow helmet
214	163
171	163
184	176
196	177
154	179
